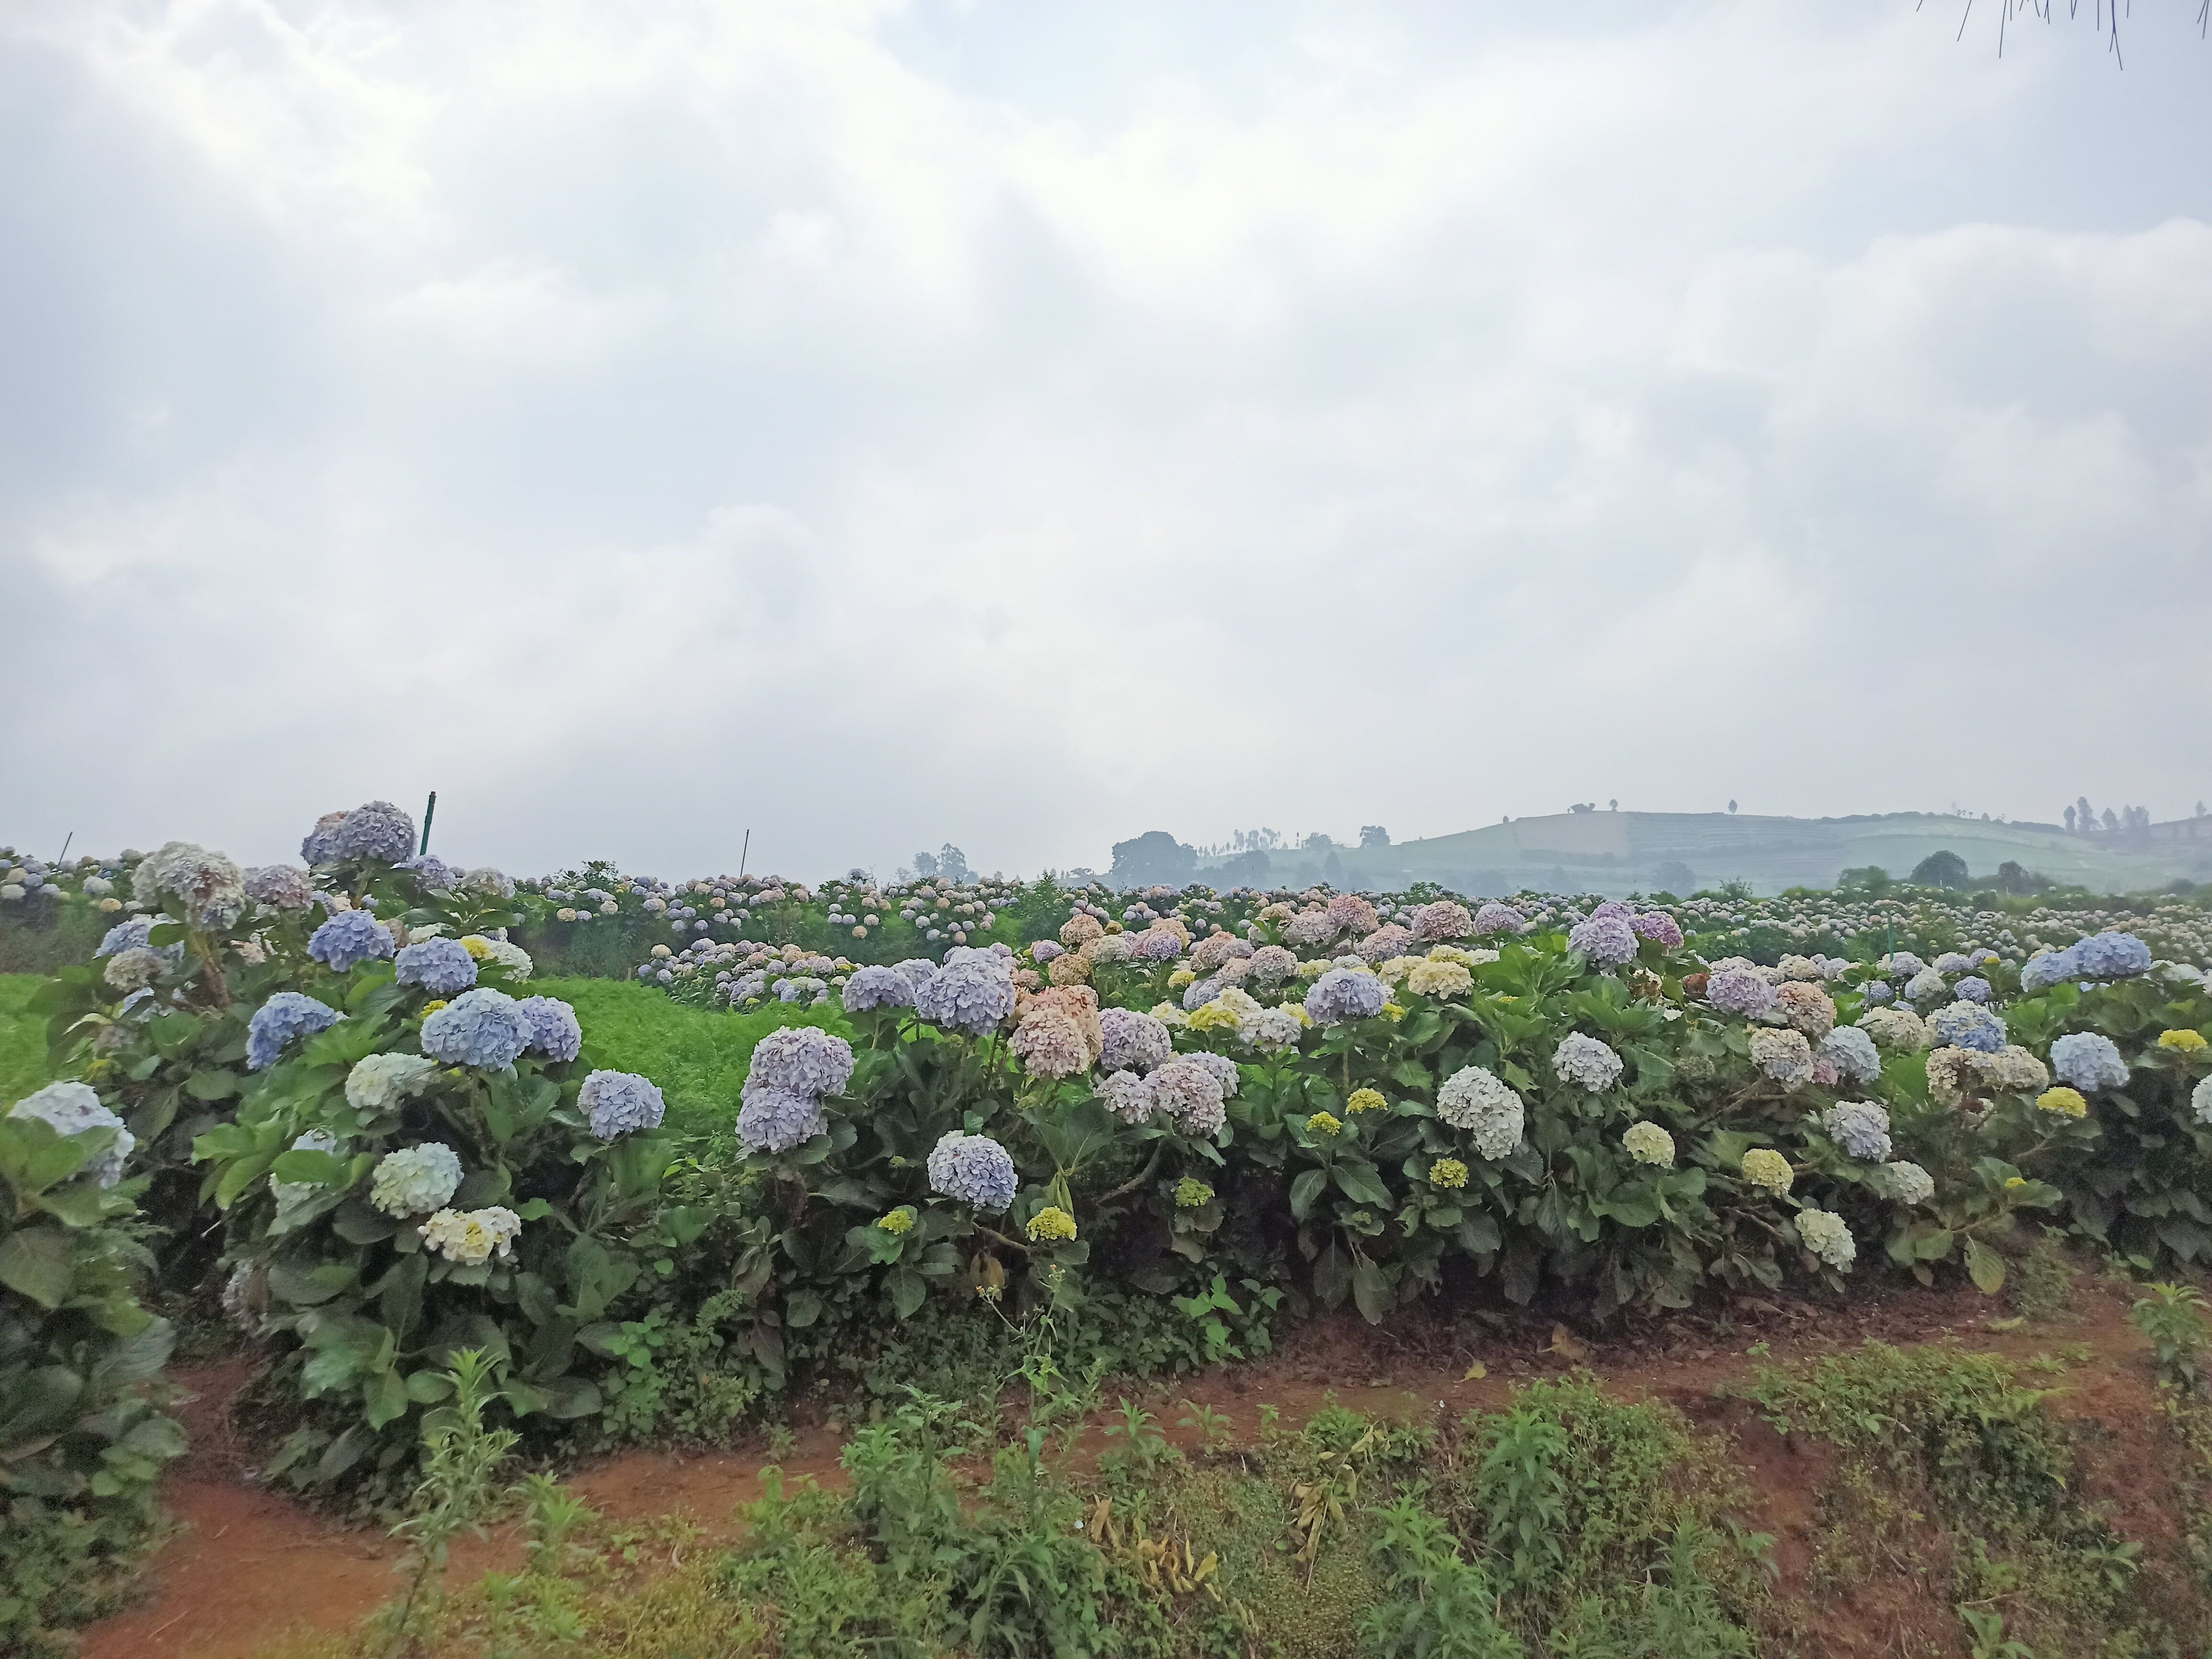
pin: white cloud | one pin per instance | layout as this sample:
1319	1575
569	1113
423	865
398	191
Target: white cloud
875	424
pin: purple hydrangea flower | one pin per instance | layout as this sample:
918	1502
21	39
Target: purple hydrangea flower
619	1102
482	1028
1158	945
1496	918
280	886
443	967
1658	926
1199	992
433	872
1972	989
803	1059
1344	994
553	1032
1740	991
1852	1053
1606	940
349	939
276	1022
1131	1041
376	830
973	991
1877	992
877	986
973	1169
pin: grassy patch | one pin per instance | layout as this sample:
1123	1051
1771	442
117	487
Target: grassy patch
698	1056
22	1038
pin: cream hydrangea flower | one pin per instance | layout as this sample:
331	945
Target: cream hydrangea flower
469	1236
1765	1167
1439	979
1826	1236
1647	1143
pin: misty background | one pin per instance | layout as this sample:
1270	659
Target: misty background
882	425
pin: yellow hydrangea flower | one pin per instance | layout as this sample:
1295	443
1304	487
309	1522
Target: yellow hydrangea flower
432	1007
1765	1167
1181	977
1365	1100
1192	1194
1312	970
1297	1010
899	1221
2183	1041
1052	1222
2014	1183
1323	1123
478	946
1213	1017
2067	1102
1448	1172
1392	1012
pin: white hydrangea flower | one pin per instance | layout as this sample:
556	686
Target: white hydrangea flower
416	1179
1827	1236
1587	1061
1908	1183
1647	1143
380	1082
469	1236
1485	1105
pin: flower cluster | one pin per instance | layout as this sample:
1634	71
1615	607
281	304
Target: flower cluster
415	1179
484	1028
1826	1236
973	1169
443	967
278	1023
469	1236
1480	1102
619	1103
73	1109
1647	1143
2089	1062
1587	1062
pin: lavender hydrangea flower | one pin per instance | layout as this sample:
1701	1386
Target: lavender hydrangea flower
1158	945
73	1109
1342	995
280	886
278	1022
482	1027
1272	1030
1607	940
1877	992
134	934
1660	927
619	1102
2088	1061
1485	1105
1926	985
553	1032
1738	990
1224	1069
1953	961
1495	918
2112	955
375	829
1044	950
1860	1128
773	1120
877	986
1972	989
973	991
1199	992
1446	918
433	872
1852	1053
973	1169
1131	1041
1125	1094
2040	973
1191	1093
1583	1060
1904	965
1272	965
1967	1025
443	967
804	1059
349	939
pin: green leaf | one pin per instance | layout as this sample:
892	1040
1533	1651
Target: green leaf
401	1301
1361	1184
1332	1276
1372	1288
1305	1191
37	1262
387	1400
428	1387
908	1291
1985	1267
306	1168
801	1308
136	1358
212	1085
570	1397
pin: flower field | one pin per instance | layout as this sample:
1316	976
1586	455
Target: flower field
856	1139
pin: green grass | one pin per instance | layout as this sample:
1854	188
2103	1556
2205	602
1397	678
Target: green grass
697	1057
22	1038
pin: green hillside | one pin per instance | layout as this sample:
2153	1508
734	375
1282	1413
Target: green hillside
1621	851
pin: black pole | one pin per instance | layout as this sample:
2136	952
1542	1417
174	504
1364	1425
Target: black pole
429	811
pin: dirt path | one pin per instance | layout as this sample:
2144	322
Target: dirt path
250	1565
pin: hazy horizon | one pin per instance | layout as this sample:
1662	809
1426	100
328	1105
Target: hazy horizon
880	425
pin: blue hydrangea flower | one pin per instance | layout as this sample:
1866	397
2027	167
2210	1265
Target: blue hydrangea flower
878	987
1199	992
2112	955
1951	962
1853	1054
482	1027
803	1059
1877	992
1966	1025
1860	1128
2041	972
280	886
433	872
2088	1061
776	1120
1343	995
443	967
276	1022
132	935
348	939
973	991
553	1032
619	1102
1972	989
1607	939
1904	964
71	1109
917	969
973	1169
376	830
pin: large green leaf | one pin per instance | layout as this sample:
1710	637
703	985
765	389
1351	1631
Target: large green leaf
38	1262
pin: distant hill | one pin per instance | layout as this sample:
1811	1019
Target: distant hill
1623	852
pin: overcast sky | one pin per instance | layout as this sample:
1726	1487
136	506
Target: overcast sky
1027	425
